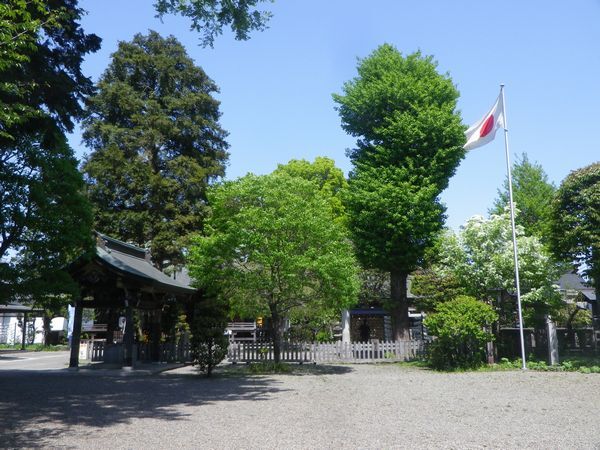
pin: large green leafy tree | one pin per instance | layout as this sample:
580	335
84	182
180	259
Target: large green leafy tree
210	16
533	194
317	324
410	139
272	250
576	223
45	220
157	144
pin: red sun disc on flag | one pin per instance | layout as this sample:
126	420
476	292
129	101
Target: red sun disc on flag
488	126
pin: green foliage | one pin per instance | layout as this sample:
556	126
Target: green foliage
269	367
45	220
272	250
392	220
210	16
41	50
36	347
459	327
326	175
404	114
532	193
576	221
374	287
433	287
209	343
410	139
582	365
157	144
313	325
481	259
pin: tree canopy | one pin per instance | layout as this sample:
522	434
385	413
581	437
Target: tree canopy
410	139
322	171
210	16
272	250
576	221
156	142
532	193
45	219
41	83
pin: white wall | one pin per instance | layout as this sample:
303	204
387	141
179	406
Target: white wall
11	332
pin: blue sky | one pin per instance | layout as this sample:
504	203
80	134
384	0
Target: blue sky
276	88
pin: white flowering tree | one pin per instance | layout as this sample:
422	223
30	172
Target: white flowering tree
480	258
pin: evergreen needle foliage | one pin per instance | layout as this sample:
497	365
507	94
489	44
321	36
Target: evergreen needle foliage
157	144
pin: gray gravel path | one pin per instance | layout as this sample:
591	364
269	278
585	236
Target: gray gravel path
360	406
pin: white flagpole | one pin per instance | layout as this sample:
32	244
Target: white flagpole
514	231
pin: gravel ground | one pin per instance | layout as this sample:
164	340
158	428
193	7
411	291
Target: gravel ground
348	406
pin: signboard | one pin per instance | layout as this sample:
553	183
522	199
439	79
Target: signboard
83	350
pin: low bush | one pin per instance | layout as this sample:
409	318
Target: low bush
459	328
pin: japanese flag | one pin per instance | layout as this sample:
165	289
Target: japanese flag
484	130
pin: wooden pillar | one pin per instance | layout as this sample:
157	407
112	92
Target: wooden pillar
155	334
128	336
76	335
24	330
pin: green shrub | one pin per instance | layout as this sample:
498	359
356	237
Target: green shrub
460	335
209	343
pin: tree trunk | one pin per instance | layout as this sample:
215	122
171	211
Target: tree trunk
47	319
76	335
399	300
276	324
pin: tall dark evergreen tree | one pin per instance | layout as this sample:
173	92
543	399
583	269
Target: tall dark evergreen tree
156	142
410	139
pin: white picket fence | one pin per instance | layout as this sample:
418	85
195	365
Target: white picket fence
348	352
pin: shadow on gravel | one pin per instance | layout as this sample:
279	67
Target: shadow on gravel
295	370
37	407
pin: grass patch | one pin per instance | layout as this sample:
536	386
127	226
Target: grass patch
570	364
269	367
582	364
418	363
36	347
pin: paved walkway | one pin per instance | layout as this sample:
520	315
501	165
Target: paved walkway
362	406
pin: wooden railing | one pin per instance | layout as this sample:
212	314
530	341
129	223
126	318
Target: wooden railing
166	352
348	352
241	331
